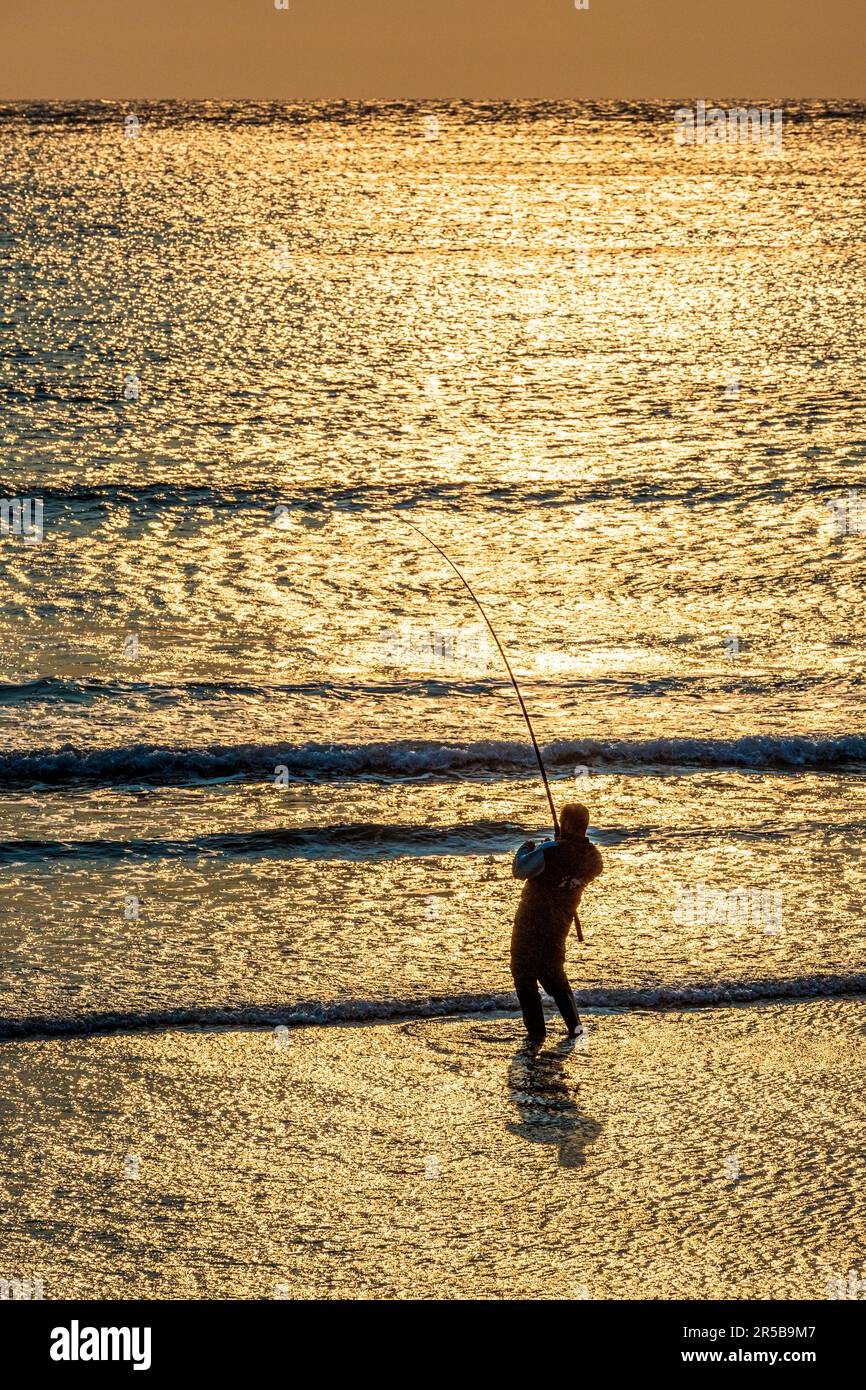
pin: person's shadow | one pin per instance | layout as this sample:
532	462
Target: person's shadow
544	1095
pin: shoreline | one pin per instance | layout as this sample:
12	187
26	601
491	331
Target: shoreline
372	1013
699	1153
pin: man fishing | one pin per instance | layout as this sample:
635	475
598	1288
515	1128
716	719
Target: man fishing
554	874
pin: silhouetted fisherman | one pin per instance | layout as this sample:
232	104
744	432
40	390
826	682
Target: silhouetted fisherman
555	873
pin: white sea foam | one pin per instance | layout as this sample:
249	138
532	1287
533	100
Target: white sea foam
419	758
316	1013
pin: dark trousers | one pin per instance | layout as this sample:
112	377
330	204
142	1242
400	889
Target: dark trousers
553	981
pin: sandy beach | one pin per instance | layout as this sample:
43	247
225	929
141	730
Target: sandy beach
684	1154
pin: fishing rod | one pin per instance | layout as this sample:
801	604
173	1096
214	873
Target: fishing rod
477	603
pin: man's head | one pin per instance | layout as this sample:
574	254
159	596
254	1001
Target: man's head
573	820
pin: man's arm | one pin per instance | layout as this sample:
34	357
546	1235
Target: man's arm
529	860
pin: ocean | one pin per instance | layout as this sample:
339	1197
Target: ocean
260	763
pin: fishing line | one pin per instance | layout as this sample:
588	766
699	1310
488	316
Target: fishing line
477	603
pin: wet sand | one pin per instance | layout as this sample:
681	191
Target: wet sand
711	1153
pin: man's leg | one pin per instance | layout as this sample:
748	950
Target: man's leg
554	982
530	1003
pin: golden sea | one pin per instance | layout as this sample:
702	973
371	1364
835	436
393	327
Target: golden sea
262	768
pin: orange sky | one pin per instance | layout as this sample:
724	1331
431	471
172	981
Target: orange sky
430	48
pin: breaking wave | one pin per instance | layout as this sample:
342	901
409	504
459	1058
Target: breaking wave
49	690
318	504
314	1013
416	758
352	840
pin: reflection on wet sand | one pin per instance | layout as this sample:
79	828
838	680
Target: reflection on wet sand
545	1094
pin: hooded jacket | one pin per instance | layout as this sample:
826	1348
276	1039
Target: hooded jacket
555	873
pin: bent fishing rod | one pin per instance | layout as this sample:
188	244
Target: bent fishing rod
477	602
